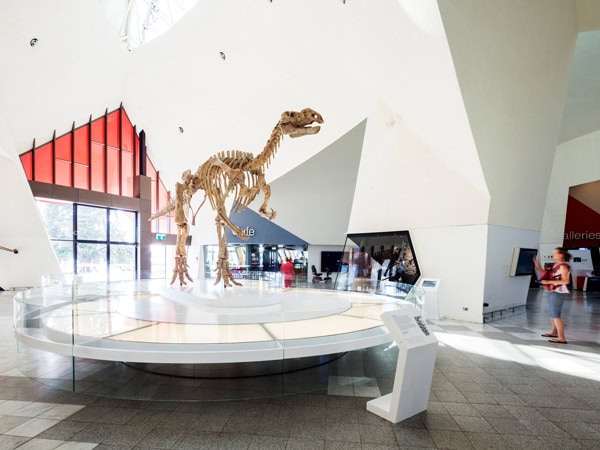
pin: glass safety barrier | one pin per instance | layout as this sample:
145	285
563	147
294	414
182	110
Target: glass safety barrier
149	341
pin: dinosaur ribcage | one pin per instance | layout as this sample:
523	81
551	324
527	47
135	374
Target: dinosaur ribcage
219	182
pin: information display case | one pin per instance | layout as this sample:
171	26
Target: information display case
381	263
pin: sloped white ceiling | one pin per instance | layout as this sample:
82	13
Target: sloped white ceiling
582	108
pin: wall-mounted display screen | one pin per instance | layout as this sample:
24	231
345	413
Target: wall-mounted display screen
522	262
331	261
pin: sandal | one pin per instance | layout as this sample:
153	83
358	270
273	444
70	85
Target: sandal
556	341
549	335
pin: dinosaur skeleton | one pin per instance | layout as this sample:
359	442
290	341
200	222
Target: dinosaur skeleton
231	172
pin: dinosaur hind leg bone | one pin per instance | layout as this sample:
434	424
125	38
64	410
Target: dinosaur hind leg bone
223	272
181	268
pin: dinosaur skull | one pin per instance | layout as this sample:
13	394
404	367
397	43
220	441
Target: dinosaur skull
296	124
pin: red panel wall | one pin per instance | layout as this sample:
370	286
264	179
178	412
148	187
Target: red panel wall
582	225
102	155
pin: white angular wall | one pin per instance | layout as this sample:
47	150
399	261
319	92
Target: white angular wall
21	226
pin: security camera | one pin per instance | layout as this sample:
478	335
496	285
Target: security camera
33	42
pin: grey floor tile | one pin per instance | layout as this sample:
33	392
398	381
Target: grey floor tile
488	441
544	428
580	430
268	443
232	441
451	439
94	432
377	434
11	442
308	430
473	424
440	422
493	411
197	440
461	409
550	442
71	445
10	422
63	430
41	444
32	427
340	445
127	435
91	414
305	444
508	426
413	437
342	432
161	437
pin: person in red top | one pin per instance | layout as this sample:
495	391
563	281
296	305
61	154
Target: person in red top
555	281
287	269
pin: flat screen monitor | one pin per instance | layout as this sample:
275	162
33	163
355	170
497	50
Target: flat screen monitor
331	261
522	262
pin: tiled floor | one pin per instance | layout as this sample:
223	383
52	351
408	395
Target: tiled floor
499	385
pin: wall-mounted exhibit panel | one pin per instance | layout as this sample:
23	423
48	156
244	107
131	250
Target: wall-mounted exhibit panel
378	263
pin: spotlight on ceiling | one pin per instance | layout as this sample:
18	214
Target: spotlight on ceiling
33	42
223	56
181	130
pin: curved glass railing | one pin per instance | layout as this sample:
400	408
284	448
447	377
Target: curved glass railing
145	340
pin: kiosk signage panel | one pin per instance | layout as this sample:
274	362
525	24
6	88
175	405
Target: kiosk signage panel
414	371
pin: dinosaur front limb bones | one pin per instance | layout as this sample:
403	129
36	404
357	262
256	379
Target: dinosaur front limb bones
266	189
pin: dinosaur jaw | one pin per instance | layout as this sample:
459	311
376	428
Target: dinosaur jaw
298	132
296	124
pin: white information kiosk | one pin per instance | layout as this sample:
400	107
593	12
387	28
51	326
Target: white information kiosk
431	308
414	371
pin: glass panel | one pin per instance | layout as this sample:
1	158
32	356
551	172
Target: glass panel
43	163
91	223
58	219
82	144
98	130
62	147
122	226
122	262
381	263
64	253
91	261
113	128
112	170
82	180
27	162
97	167
127	132
127	174
62	172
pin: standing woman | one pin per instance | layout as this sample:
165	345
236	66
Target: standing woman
556	284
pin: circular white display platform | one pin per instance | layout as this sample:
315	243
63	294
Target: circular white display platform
254	323
245	305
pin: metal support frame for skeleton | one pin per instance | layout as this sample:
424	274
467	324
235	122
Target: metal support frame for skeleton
236	173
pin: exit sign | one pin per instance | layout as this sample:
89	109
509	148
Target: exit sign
161	237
